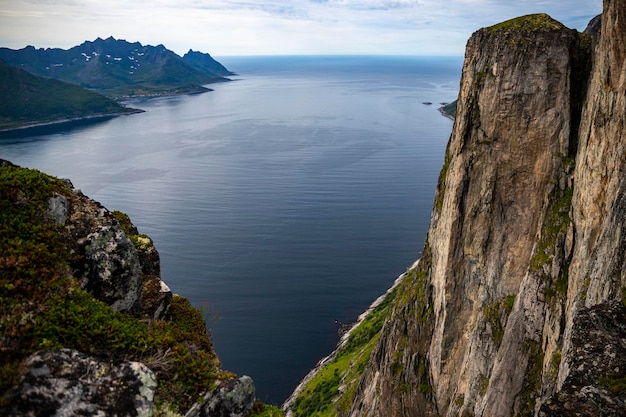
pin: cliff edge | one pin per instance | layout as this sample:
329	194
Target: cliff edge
87	326
516	307
526	240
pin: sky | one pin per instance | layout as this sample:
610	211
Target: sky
275	27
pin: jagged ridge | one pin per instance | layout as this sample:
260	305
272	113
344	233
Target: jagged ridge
120	68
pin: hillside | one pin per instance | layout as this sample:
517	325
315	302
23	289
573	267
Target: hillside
119	68
30	100
88	326
517	306
205	63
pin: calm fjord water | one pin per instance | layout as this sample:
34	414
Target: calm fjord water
280	202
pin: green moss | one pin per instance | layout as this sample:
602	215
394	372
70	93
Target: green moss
32	260
492	314
142	242
557	221
423	372
441	182
532	383
586	41
415	292
124	221
483	385
492	317
265	410
616	383
529	23
480	78
508	303
555	362
321	396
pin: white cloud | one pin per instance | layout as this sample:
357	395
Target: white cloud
235	27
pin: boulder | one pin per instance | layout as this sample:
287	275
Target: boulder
231	398
113	270
69	383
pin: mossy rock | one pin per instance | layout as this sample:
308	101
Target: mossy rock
540	22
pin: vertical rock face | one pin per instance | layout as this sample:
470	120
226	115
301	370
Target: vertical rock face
508	158
527	237
598	270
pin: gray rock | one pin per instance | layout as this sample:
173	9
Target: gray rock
594	25
597	354
69	383
156	298
231	398
58	208
113	273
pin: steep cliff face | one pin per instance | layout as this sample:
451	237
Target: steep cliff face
526	241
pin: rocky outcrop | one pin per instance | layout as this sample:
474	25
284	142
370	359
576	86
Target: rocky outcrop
110	258
69	383
231	398
596	359
103	257
156	296
527	239
87	326
111	270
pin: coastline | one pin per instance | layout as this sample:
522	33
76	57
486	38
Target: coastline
448	110
59	122
444	113
290	401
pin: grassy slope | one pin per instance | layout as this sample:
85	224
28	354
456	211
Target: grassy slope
332	389
28	99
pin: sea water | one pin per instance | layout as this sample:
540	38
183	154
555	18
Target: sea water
282	203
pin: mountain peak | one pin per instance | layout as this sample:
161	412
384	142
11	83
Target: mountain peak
117	67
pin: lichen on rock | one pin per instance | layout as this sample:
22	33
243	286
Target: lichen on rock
231	398
69	383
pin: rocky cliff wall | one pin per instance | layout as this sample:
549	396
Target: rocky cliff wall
526	240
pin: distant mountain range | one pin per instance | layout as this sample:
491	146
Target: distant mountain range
118	68
29	100
42	86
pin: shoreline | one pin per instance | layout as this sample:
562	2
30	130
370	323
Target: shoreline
93	117
444	113
290	401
